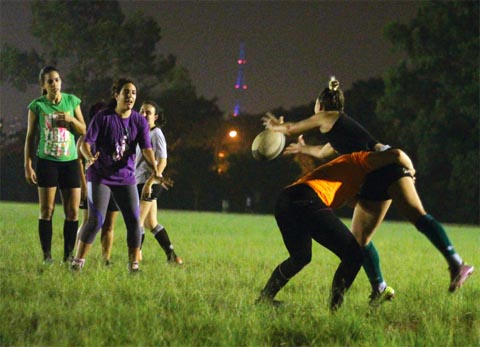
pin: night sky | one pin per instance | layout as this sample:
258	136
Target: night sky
291	47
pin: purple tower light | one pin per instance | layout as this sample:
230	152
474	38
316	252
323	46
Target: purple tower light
240	84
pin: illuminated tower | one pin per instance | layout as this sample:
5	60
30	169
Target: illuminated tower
240	84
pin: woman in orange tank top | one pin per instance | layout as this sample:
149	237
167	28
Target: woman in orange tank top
304	211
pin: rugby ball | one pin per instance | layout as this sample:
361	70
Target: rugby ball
268	145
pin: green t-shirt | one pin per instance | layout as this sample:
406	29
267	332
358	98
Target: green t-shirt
57	143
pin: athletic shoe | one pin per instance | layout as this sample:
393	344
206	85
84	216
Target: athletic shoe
377	298
108	262
133	267
460	276
77	265
174	259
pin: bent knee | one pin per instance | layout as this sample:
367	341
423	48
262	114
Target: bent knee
301	261
353	253
356	255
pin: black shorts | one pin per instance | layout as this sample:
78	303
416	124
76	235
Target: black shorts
64	174
156	191
112	205
377	182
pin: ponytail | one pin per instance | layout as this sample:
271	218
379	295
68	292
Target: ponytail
332	98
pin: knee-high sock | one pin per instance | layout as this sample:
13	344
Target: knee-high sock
343	279
69	238
161	236
142	238
371	265
276	282
45	233
435	232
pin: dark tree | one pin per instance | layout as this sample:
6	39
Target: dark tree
97	44
432	104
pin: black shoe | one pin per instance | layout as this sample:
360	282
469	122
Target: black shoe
265	300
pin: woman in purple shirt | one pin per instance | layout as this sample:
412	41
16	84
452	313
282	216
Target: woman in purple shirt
109	149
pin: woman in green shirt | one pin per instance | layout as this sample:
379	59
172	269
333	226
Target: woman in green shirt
56	117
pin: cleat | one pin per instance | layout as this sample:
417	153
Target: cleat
459	277
133	267
174	259
108	262
77	265
377	298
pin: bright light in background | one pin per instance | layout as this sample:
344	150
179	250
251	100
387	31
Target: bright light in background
232	133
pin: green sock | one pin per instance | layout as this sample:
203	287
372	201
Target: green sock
371	265
435	232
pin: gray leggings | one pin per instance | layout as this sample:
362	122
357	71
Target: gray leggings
126	198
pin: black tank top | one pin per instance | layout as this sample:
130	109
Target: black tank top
347	136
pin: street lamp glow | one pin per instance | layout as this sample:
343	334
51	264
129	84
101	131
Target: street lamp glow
232	133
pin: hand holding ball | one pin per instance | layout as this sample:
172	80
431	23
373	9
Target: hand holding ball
268	145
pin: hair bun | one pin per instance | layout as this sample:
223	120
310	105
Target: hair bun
333	84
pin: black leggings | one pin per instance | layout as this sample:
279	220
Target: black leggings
301	217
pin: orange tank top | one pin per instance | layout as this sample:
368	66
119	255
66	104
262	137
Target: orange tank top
339	180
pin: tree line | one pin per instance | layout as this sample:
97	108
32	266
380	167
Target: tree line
427	105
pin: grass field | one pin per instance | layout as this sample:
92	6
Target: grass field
210	300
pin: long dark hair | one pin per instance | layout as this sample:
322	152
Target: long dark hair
332	98
116	89
161	121
41	76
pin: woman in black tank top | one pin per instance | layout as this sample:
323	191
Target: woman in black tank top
345	135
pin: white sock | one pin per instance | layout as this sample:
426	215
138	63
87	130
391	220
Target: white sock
381	287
